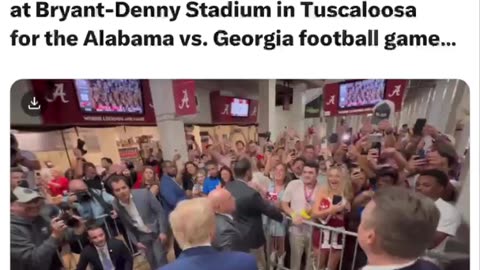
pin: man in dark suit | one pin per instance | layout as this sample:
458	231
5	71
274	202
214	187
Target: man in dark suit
227	236
103	254
397	226
195	237
250	207
144	219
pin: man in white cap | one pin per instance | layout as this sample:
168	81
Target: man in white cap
34	238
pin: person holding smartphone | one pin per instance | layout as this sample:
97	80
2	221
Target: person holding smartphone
331	204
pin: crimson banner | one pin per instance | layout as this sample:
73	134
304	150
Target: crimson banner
61	106
394	91
221	110
184	96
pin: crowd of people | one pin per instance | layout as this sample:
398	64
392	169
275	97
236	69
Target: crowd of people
114	95
236	204
361	93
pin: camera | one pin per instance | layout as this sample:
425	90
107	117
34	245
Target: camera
83	196
65	215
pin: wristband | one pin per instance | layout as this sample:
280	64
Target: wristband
305	215
293	215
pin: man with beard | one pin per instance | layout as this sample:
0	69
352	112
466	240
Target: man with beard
171	192
213	179
171	189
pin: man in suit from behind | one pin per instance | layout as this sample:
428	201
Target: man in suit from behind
250	207
104	254
397	226
144	219
227	236
195	238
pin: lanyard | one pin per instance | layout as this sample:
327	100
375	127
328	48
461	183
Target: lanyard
308	198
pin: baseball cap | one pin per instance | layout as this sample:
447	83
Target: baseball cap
25	195
382	111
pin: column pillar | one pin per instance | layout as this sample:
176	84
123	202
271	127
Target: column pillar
445	101
266	107
456	99
171	128
331	124
298	108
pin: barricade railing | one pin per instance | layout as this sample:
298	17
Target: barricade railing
313	246
124	237
69	259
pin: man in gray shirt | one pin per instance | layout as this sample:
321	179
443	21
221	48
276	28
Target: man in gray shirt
34	237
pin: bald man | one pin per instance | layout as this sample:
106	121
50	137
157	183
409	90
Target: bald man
91	204
227	236
195	238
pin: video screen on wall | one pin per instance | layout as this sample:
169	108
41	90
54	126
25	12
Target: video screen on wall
361	93
110	96
239	107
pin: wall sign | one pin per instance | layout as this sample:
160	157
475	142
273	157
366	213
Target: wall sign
185	97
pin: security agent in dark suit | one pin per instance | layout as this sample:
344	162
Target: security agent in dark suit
227	236
250	207
388	243
104	254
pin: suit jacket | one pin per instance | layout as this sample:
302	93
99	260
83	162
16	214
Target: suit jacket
227	236
119	254
171	193
250	207
151	212
418	265
207	258
421	265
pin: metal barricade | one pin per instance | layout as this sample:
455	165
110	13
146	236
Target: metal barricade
69	259
116	234
312	246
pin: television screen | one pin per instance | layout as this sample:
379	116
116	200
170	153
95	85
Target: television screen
110	96
361	93
239	107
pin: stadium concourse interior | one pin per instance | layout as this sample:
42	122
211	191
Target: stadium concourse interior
286	105
65	130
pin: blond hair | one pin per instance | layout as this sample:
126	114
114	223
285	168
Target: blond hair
193	222
346	186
